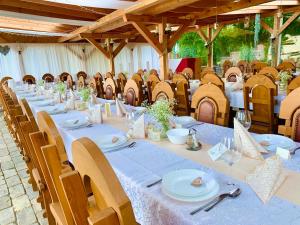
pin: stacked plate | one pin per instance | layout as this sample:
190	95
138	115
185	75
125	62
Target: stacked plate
53	110
109	143
178	185
44	103
272	141
73	124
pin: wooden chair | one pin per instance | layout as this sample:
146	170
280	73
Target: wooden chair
133	93
188	72
154	72
180	78
287	65
270	72
137	78
141	72
110	89
47	77
80	83
98	75
93	172
70	82
211	105
109	75
182	97
63	76
294	83
81	74
214	79
163	91
290	112
262	90
152	81
207	70
257	66
226	65
4	80
232	74
29	79
99	86
243	66
121	82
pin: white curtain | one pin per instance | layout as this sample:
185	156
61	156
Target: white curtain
38	59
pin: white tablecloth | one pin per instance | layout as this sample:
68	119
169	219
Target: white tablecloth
139	166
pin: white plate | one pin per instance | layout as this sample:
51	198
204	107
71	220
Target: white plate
177	185
75	123
105	142
275	141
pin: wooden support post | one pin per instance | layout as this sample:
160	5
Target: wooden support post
163	57
111	57
210	54
276	41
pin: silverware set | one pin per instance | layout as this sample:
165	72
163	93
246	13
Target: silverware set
154	183
131	145
293	152
210	205
194	124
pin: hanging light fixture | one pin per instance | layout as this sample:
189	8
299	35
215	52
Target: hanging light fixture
168	29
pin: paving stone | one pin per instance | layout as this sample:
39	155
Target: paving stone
36	206
25	183
16	191
21	165
2	180
21	202
5	202
32	195
17	159
14	153
7	216
4	153
26	216
23	174
12	181
5	159
7	165
3	190
9	173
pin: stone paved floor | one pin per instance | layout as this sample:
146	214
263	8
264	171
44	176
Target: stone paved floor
18	203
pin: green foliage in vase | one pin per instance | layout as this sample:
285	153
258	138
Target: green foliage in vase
85	93
285	76
60	87
40	83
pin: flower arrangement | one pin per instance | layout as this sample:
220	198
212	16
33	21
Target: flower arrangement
41	83
285	76
85	93
161	111
60	87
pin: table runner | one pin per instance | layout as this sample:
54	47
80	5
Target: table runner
152	207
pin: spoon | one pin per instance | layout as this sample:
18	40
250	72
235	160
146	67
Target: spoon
232	194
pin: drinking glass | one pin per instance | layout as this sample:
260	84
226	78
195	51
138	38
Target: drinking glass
233	154
244	117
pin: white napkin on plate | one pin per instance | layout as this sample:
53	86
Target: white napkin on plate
246	143
120	107
267	178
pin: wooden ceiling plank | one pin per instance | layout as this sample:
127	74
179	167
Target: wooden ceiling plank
99	47
143	30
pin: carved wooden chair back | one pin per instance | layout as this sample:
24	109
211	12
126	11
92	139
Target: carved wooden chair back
110	89
287	65
137	78
29	79
69	82
109	75
290	112
214	79
294	83
188	72
207	70
99	87
163	91
270	72
133	93
153	78
232	74
180	78
257	66
82	74
63	76
47	127
154	72
211	105
152	81
243	66
48	78
262	90
182	97
226	65
97	176
80	83
5	79
121	82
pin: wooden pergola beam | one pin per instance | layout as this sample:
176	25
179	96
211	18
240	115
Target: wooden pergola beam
217	31
288	22
266	27
147	19
99	47
143	30
105	36
182	29
119	48
202	35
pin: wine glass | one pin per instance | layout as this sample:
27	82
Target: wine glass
233	154
244	117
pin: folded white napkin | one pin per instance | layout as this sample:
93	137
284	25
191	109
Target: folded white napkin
246	143
267	178
96	114
120	107
94	99
139	128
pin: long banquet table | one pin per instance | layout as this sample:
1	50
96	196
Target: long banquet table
148	161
